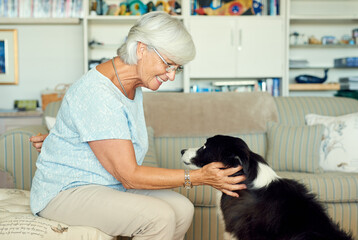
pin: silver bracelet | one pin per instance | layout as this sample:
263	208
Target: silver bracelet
187	182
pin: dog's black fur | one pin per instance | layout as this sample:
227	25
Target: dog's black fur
281	210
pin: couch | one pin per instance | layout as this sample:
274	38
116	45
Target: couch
273	127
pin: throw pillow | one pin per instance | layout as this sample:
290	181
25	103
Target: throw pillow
6	179
339	148
50	122
294	148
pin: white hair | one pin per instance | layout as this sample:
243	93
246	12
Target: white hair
162	31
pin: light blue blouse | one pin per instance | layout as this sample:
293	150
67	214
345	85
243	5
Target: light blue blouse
92	109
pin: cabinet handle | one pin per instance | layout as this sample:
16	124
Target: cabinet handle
239	45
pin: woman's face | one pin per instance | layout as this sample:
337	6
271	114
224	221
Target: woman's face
152	69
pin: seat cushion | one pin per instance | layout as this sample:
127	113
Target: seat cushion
332	187
17	221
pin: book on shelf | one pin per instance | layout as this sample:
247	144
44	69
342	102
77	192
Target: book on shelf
348	79
270	85
349	83
41	8
273	7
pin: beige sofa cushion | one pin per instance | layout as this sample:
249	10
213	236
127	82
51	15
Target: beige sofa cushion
294	148
199	114
332	187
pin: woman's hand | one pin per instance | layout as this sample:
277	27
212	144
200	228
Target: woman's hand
37	141
214	175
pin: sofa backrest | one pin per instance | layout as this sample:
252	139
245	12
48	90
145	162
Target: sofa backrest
292	110
207	114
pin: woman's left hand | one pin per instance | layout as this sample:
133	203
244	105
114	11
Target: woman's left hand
216	175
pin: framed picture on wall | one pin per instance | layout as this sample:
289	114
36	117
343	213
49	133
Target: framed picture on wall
8	57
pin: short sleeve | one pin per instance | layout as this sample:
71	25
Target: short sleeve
99	115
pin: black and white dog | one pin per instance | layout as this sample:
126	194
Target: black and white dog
271	208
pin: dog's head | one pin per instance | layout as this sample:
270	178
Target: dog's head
231	151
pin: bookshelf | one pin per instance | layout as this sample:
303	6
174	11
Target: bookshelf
39	21
318	18
311	17
100	28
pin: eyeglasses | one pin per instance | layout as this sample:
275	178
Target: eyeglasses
170	68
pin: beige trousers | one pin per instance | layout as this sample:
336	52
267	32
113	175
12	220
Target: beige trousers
141	214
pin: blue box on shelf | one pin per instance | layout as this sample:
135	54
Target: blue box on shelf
346	62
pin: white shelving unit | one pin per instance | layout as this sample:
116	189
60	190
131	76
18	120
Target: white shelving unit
112	30
39	21
310	17
320	18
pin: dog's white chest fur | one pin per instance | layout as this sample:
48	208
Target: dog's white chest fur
265	176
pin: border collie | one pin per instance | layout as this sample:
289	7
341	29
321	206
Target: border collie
271	208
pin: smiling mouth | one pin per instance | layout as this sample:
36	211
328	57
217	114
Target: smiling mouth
159	79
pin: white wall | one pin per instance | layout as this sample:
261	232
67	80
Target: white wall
48	55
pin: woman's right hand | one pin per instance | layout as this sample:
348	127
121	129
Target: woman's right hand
37	141
218	176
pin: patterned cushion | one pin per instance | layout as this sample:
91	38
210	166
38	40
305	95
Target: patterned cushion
339	151
294	148
17	222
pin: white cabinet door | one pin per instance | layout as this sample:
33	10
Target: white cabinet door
260	47
240	47
214	39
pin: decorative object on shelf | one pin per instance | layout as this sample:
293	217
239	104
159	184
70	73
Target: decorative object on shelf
257	7
326	40
26	105
8	57
101	7
137	7
175	7
53	95
163	6
312	79
346	39
151	7
232	8
314	40
95	43
355	35
123	9
298	39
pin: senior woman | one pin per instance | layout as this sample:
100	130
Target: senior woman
89	171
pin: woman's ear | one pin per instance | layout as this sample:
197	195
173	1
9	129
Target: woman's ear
141	47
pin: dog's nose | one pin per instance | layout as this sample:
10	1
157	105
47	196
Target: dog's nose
183	151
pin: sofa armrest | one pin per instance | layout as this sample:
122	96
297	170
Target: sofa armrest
18	156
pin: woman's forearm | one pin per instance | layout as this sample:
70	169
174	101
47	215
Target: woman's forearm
144	177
